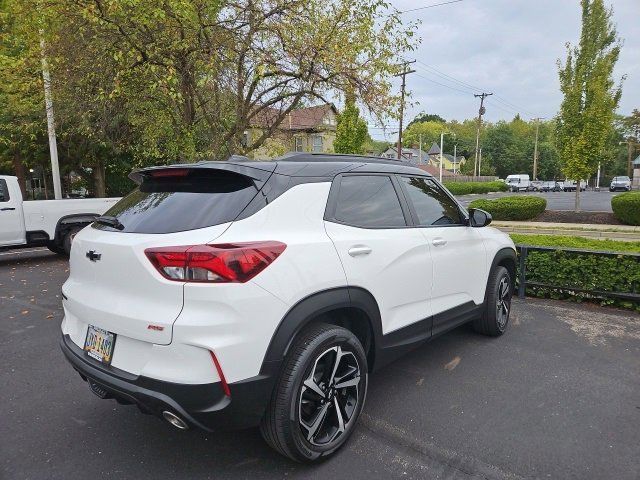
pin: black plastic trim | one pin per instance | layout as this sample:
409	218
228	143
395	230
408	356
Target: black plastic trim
203	405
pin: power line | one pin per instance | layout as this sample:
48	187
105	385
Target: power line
425	7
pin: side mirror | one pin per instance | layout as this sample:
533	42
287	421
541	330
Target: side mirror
479	218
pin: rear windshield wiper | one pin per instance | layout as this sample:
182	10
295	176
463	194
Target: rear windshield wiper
110	222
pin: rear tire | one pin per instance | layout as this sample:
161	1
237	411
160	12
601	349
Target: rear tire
310	415
495	317
67	240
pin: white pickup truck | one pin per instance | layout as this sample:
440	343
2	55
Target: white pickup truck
52	223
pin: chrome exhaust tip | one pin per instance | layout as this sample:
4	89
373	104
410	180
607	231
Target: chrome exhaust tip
174	420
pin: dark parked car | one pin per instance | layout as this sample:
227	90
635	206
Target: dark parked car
550	186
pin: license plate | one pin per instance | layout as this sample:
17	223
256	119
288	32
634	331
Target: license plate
99	344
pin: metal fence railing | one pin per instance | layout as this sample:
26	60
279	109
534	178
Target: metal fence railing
523	282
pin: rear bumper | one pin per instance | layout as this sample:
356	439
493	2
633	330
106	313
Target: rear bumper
203	405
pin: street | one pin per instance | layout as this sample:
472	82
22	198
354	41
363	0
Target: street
590	201
558	396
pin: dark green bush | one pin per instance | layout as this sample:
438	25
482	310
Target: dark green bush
521	207
465	188
568	271
626	207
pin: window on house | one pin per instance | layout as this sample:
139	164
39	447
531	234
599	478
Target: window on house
317	143
299	144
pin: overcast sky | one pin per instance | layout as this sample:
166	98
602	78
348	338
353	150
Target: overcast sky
508	47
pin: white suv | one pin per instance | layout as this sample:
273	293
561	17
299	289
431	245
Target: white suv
234	294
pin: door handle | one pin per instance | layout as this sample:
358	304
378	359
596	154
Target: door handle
6	208
439	242
359	250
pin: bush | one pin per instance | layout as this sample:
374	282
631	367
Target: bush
522	207
626	207
465	188
569	272
568	241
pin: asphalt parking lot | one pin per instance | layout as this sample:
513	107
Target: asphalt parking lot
558	396
590	201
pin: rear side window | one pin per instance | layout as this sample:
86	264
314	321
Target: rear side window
431	204
368	201
193	198
4	191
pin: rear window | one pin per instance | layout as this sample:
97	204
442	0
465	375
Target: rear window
193	199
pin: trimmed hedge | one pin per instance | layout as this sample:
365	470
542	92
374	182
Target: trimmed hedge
626	207
465	188
568	241
521	207
577	270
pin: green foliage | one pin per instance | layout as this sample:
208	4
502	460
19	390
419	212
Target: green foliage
351	131
626	207
576	242
521	207
569	271
585	122
465	188
426	117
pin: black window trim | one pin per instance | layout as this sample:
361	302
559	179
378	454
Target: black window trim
415	221
5	191
330	209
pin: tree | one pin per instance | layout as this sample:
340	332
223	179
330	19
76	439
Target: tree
585	121
426	117
351	131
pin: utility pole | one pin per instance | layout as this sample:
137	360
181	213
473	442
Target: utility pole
441	147
481	112
535	149
51	127
420	150
405	72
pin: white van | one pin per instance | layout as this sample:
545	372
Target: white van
518	183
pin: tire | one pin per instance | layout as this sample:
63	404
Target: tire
495	317
296	405
67	240
55	248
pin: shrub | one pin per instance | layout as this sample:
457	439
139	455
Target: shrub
522	207
626	207
568	241
465	188
570	272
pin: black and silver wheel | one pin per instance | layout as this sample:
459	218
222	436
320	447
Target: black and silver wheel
319	394
495	317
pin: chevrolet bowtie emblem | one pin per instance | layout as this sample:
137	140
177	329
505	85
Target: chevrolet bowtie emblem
93	255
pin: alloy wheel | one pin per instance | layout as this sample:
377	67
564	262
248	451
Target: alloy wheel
503	302
329	396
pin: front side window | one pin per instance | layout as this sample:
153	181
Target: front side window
4	191
317	143
369	201
433	207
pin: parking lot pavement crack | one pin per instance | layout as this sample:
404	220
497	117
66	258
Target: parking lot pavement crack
462	465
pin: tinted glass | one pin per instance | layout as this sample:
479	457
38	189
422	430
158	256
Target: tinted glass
369	201
432	205
202	198
4	191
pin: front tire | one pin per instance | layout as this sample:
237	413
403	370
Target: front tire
318	396
495	317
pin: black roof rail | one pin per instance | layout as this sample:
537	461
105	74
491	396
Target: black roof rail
338	157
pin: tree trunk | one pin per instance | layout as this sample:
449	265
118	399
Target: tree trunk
18	168
577	205
99	184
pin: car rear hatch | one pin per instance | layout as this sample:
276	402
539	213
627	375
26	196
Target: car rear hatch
113	285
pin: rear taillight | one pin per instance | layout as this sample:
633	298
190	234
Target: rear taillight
223	263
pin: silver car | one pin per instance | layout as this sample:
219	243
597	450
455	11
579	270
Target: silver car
620	183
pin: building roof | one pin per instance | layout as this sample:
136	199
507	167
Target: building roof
409	154
435	149
308	118
636	162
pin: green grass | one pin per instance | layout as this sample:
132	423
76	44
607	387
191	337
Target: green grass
576	242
